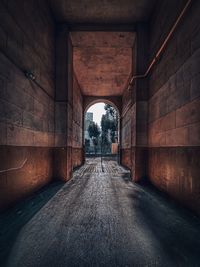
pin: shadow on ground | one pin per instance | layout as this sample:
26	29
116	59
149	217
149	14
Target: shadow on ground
16	217
174	226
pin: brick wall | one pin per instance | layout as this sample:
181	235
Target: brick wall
174	105
26	110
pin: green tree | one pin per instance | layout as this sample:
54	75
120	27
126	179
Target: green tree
94	132
112	111
87	145
109	127
109	122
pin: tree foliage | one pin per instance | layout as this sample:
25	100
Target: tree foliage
93	130
109	124
112	111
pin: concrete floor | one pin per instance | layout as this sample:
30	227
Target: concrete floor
14	219
103	219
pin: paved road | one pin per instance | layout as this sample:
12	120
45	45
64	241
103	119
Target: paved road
103	219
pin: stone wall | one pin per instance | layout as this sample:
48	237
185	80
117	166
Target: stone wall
127	129
77	141
26	109
68	111
174	105
135	110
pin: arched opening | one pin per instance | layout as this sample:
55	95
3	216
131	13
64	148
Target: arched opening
101	130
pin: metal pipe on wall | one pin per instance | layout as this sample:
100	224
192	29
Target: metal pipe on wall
163	46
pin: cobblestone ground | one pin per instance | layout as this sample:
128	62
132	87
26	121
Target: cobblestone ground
101	218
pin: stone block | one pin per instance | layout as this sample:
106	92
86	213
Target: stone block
60	140
195	62
3	39
178	97
126	159
10	113
153	108
195	86
51	140
195	41
19	97
3	133
61	117
63	163
189	113
155	136
162	106
175	170
168	122
194	134
177	137
51	123
39	108
141	139
35	173
28	120
19	136
41	139
77	157
33	122
142	110
2	88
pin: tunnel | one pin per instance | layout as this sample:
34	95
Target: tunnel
57	59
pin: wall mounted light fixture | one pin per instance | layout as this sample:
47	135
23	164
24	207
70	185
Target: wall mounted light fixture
30	75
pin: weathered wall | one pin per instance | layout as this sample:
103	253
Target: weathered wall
77	139
134	134
174	105
68	109
128	139
63	105
135	111
26	110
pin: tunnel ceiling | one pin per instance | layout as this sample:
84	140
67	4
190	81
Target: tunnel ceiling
102	61
107	11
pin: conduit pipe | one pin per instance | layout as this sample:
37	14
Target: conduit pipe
163	46
15	168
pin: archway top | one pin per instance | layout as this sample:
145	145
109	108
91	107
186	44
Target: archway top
113	101
101	101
